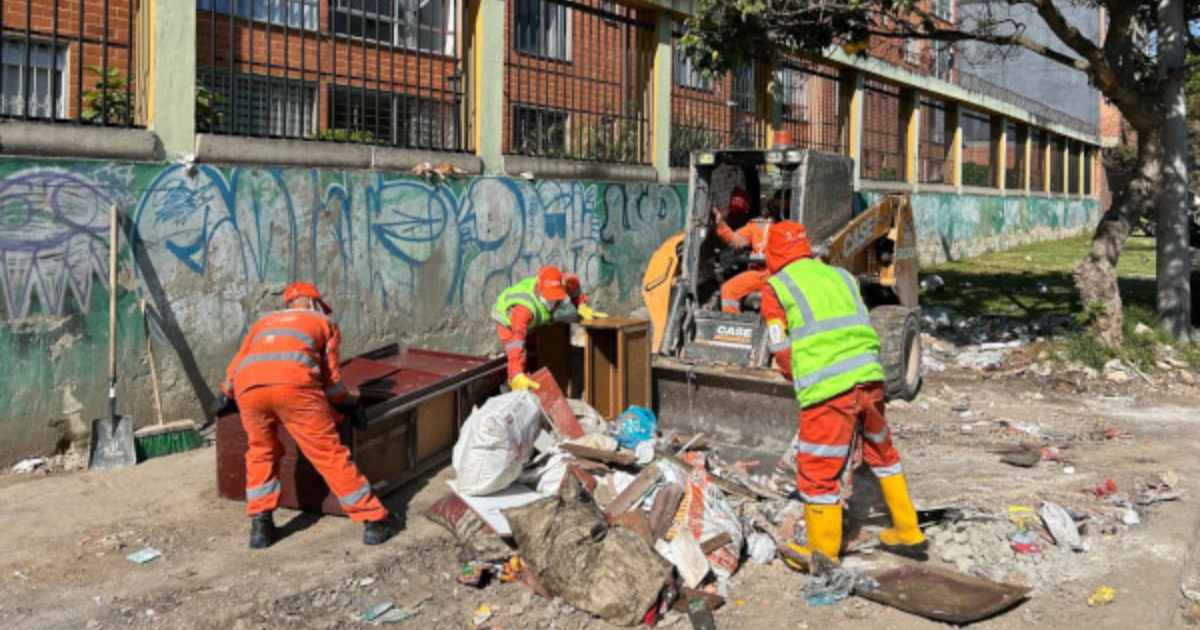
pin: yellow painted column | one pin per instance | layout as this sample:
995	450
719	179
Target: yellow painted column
912	146
1028	167
956	146
660	145
1000	137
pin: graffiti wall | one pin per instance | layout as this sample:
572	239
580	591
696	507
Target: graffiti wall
952	227
208	250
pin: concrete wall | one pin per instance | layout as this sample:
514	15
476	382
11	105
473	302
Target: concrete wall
953	227
211	250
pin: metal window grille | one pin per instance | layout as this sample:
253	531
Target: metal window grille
1073	174
882	141
912	51
1037	160
933	145
1014	156
943	60
1056	165
578	80
978	165
809	97
383	72
68	60
944	9
714	112
1089	166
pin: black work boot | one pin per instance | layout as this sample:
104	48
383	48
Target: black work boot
262	530
376	532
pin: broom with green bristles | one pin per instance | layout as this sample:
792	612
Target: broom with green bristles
162	439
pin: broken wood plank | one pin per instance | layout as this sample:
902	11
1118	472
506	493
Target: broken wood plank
609	457
662	513
635	521
635	492
716	542
555	405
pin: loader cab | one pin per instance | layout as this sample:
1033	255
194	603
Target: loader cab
769	178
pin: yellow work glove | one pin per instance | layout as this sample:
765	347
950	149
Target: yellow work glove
521	381
587	312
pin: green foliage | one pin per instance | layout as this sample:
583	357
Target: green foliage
613	141
208	113
346	135
687	137
110	99
976	175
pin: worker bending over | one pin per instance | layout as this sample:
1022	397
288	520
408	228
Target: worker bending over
752	236
287	372
824	343
531	303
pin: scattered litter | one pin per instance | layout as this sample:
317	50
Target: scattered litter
1068	470
481	615
491	507
685	553
761	548
474	574
1025	543
829	582
1061	526
396	614
377	611
1130	517
144	556
1106	489
1014	426
1191	589
28	465
700	615
982	361
1102	596
1050	454
636	425
932	284
1117	434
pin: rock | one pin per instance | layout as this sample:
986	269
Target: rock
1114	366
1117	377
1142	329
956	552
1186	377
961	407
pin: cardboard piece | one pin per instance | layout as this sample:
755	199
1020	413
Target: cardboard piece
491	507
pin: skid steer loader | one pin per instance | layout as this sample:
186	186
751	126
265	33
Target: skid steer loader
712	370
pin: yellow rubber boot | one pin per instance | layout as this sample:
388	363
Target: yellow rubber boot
904	537
824	525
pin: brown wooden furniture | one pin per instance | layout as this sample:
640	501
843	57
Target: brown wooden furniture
616	368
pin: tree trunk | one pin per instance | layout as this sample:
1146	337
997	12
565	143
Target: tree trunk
1173	267
1096	274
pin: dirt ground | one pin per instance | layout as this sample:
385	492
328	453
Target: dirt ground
66	535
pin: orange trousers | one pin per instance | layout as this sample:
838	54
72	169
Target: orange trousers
826	432
749	281
309	419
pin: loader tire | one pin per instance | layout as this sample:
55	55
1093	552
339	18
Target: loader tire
900	338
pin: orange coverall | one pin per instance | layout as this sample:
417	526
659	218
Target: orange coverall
287	371
828	428
753	235
514	338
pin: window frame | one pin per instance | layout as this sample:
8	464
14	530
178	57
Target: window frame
215	6
540	44
404	33
258	85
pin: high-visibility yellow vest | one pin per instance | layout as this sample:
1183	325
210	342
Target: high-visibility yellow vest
833	344
525	294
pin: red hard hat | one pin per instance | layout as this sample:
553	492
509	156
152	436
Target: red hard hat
304	289
550	284
787	242
739	201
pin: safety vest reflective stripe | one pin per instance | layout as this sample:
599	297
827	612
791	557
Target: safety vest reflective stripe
735	303
513	345
356	496
335	389
298	357
779	347
876	438
824	450
812	327
285	332
766	235
837	369
265	490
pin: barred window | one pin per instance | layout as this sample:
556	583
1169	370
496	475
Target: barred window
418	24
543	28
265	106
293	13
390	118
43	75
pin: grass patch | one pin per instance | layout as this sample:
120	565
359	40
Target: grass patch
1034	281
1139	349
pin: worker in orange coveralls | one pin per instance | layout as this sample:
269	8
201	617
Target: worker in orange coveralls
752	236
531	303
823	342
287	371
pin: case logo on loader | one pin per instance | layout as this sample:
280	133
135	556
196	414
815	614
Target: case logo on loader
741	332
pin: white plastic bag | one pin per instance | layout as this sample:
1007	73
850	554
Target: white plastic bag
496	443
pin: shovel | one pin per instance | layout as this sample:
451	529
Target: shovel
112	436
